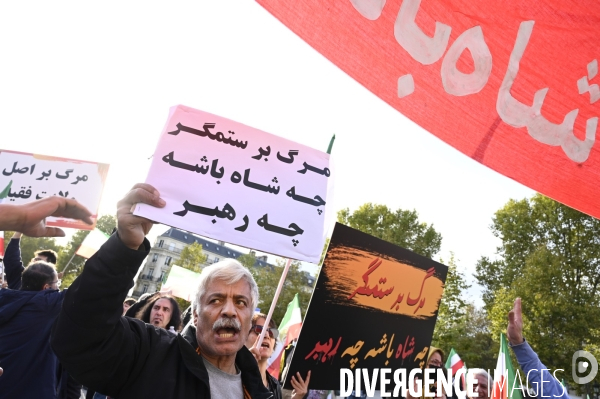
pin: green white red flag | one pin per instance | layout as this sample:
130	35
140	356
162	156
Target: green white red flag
454	362
505	384
92	243
289	329
181	282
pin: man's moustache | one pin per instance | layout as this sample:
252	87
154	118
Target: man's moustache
227	323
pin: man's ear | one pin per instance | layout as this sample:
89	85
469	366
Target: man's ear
195	317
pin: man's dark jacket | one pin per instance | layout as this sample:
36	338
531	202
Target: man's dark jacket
29	364
66	386
123	357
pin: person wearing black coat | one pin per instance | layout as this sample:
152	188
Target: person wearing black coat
124	357
26	317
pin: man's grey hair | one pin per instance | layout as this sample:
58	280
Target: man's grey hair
230	271
474	372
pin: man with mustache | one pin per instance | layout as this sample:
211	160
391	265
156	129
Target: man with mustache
127	358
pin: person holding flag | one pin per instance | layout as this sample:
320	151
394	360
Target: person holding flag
528	360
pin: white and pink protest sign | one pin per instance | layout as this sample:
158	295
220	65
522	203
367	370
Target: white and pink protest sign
238	184
32	177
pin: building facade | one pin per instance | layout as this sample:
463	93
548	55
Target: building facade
166	250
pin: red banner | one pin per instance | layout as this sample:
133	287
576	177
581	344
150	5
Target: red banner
511	84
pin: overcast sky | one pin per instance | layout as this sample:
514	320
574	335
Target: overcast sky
95	82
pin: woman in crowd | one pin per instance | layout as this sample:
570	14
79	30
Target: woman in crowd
266	350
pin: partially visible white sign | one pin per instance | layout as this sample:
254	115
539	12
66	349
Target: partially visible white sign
34	176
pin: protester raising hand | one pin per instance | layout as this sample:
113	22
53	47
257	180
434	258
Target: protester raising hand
30	218
132	229
514	331
300	385
537	373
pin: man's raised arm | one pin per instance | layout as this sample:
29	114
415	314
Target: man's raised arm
92	340
528	360
13	264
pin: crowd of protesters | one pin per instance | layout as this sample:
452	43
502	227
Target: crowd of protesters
53	341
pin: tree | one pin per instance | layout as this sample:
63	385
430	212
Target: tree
267	279
248	260
182	303
324	251
452	312
29	245
192	257
399	227
478	347
550	257
461	325
106	224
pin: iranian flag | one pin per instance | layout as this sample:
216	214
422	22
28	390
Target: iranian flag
289	329
3	194
92	243
505	385
181	282
454	362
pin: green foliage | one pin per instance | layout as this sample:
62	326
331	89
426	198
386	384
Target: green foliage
475	344
73	269
399	227
550	257
248	260
478	347
452	311
268	279
29	245
182	303
192	258
105	224
462	326
324	251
